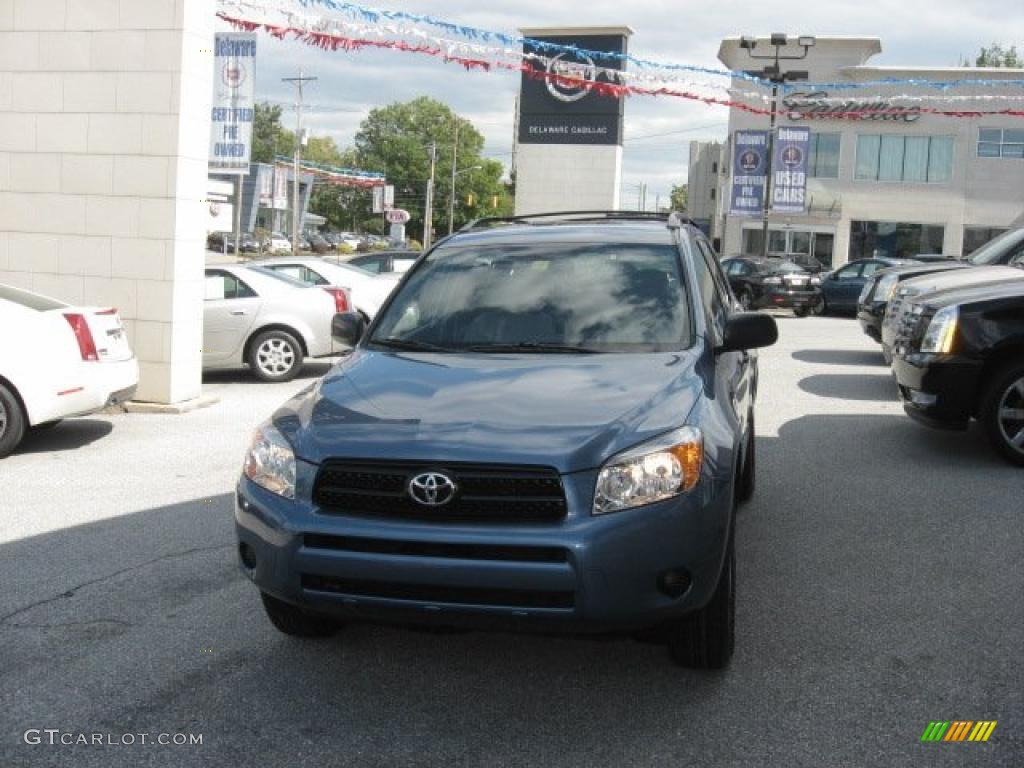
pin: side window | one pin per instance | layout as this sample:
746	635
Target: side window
370	265
735	268
848	273
710	295
313	278
746	268
870	268
290	270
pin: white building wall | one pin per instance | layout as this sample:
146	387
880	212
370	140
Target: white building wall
104	129
567	177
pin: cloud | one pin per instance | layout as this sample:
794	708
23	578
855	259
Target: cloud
913	32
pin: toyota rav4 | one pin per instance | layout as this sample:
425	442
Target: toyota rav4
548	426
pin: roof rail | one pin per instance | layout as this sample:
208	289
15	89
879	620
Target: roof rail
673	220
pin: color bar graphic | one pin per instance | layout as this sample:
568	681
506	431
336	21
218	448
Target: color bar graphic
958	730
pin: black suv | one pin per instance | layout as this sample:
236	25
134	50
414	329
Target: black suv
959	355
548	425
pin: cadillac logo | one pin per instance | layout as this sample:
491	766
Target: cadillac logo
432	489
233	74
750	161
792	157
560	67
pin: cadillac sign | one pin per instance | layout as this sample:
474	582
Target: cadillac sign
813	106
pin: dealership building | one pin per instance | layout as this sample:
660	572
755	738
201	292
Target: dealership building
896	184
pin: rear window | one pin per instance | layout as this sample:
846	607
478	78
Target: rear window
29	300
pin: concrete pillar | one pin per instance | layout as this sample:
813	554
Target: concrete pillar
104	129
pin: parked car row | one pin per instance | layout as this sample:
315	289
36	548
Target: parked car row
954	334
277	242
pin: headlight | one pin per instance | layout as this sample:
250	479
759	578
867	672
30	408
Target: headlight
941	330
816	280
773	281
886	287
656	470
270	462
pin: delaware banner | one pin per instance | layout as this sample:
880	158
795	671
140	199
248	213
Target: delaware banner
789	169
234	58
749	172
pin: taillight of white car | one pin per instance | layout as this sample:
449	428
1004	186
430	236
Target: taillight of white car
342	301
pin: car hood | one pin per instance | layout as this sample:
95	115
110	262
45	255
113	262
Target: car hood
910	271
977	292
960	277
565	411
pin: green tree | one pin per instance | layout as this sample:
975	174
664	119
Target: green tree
269	136
678	197
396	140
997	56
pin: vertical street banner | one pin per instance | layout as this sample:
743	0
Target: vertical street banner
280	199
789	169
749	173
233	112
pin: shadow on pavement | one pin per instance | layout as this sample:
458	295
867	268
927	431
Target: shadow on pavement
875	582
68	435
850	386
839	357
311	369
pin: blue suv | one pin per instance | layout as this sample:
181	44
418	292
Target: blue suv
548	426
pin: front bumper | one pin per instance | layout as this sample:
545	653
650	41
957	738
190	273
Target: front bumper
788	298
584	573
870	318
938	390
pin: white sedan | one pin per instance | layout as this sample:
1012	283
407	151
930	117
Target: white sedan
368	290
57	361
271	322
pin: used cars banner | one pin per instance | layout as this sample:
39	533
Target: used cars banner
789	169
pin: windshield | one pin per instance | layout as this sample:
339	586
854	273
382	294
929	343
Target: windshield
994	250
601	297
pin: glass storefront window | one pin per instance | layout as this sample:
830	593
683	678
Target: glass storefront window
869	239
800	242
893	157
776	241
999	142
823	159
799	245
752	242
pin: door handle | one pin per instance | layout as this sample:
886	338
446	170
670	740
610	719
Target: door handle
237	311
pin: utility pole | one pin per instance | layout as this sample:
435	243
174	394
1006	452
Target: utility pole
428	208
451	198
299	82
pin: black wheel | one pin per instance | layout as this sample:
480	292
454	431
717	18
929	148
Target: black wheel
1002	411
275	356
746	300
293	621
801	311
819	308
706	638
12	422
745	487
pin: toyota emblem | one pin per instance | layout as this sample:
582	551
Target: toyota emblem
432	489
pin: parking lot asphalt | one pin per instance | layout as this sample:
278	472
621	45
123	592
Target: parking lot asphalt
880	588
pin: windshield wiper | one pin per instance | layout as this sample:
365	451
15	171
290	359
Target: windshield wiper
531	346
409	345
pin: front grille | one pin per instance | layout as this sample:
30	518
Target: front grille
486	492
462	551
427	593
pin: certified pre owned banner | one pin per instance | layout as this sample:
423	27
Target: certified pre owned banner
234	57
789	169
749	172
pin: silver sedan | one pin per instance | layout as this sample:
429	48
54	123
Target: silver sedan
256	317
368	290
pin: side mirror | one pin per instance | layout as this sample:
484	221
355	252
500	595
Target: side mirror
348	328
749	330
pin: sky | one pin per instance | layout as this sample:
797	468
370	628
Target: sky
349	85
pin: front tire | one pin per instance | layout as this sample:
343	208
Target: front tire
1002	412
746	300
275	356
12	422
801	311
293	621
706	638
819	308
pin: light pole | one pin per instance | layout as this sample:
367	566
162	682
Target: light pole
299	81
451	202
428	206
774	74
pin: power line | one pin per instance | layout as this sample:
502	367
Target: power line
681	130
